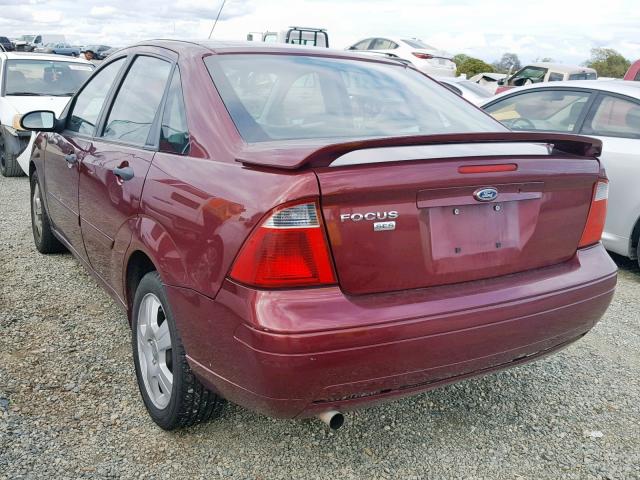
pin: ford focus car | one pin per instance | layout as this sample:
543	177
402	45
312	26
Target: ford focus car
305	231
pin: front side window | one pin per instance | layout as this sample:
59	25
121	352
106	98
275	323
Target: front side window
546	110
304	97
362	45
137	101
528	75
45	77
174	135
614	117
556	77
90	100
382	44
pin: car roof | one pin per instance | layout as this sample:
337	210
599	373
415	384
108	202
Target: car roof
226	47
41	56
623	87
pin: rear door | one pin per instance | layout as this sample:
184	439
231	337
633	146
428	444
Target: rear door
113	173
425	216
65	152
615	119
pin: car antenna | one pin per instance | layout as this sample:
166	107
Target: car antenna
216	22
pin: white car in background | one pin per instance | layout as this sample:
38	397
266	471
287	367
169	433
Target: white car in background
30	81
466	89
422	56
609	111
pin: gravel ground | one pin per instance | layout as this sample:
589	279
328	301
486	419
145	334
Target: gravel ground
70	407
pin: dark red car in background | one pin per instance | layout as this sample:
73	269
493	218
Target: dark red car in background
305	231
634	72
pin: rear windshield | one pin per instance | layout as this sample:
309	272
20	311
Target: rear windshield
45	77
415	43
276	97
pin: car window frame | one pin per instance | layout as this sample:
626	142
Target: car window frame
65	117
113	93
157	132
581	118
129	56
593	108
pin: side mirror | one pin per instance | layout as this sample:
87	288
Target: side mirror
502	81
39	120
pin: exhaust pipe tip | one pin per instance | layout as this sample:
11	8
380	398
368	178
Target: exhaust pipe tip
333	419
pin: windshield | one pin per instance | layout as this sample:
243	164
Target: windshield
45	77
415	43
27	38
274	97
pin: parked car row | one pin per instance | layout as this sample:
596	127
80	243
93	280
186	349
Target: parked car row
53	44
313	231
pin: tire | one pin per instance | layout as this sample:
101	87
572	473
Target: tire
43	236
9	166
179	399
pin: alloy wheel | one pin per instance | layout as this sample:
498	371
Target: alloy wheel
36	209
155	351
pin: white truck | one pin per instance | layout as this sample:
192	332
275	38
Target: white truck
28	43
315	37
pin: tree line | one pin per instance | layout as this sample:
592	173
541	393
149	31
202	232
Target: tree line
606	61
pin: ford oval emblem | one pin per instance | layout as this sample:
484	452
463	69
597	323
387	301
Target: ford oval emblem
486	194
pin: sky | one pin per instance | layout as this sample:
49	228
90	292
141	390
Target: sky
564	30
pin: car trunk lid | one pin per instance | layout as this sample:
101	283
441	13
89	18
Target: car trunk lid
411	216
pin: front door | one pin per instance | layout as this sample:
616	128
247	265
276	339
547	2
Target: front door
65	151
113	174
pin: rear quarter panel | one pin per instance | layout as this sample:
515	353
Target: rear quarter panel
197	213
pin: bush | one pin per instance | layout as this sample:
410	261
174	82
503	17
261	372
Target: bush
608	62
473	66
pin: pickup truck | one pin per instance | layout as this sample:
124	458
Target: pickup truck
545	72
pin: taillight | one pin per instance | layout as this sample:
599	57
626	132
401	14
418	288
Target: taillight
289	249
423	56
597	214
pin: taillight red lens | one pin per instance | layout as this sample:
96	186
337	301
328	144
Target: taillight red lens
289	249
423	56
597	214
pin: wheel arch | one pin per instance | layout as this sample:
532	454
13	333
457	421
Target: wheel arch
151	248
635	239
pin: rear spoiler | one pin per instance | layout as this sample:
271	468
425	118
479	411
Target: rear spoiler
313	153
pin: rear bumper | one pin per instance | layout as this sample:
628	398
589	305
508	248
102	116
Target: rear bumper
297	353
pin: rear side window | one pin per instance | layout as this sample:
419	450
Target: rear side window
136	104
614	117
174	135
583	76
546	110
89	102
275	97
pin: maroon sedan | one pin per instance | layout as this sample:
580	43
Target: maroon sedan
304	231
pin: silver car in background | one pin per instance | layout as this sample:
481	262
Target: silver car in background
608	110
424	57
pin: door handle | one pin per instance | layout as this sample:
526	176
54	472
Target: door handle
124	173
71	158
